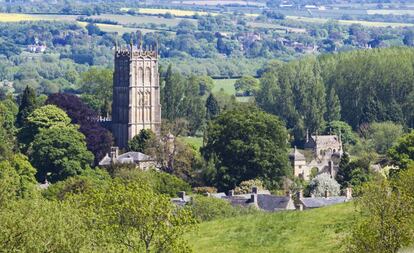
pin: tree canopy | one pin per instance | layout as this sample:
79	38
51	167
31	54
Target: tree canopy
247	143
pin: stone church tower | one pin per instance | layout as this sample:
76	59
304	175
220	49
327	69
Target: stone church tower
136	93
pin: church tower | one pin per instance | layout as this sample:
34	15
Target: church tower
136	93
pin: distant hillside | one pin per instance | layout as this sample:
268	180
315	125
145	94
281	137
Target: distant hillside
318	230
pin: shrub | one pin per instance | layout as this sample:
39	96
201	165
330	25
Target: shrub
246	186
204	190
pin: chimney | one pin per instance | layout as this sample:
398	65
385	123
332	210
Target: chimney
348	193
253	199
231	193
326	194
299	194
181	195
289	194
300	207
254	190
312	195
115	152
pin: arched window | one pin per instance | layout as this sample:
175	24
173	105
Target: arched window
147	76
140	78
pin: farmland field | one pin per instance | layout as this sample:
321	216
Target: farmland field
391	12
175	12
196	142
310	231
226	84
121	19
221	2
349	22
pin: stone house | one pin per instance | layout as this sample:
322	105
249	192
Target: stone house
141	160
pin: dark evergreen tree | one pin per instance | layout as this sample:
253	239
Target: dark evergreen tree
27	106
167	95
212	107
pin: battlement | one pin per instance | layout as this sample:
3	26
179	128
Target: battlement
136	52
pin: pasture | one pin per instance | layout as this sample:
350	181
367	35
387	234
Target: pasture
349	22
175	12
310	231
224	85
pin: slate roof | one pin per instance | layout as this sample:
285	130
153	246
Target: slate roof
129	157
321	201
272	203
265	202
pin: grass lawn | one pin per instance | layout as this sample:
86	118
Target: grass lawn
310	231
226	84
196	142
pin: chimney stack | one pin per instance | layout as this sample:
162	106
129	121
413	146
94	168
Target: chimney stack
348	193
181	195
253	199
326	194
254	190
299	194
231	193
289	194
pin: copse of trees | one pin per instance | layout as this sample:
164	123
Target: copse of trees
359	88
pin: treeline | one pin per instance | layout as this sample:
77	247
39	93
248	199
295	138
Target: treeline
358	87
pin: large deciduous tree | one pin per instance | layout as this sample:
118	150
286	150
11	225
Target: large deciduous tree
60	151
247	143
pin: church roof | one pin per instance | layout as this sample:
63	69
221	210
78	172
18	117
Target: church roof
296	155
324	140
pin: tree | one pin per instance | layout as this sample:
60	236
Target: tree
402	153
98	139
386	214
322	183
353	173
333	107
245	187
27	106
135	218
247	84
212	107
141	142
343	130
97	82
39	225
248	143
44	117
383	135
60	151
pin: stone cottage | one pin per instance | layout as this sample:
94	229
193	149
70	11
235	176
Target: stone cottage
141	160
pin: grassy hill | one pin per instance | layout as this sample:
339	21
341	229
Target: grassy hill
317	230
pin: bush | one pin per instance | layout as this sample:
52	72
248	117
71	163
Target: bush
246	186
204	190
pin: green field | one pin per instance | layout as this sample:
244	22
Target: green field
121	19
349	22
311	231
224	85
196	142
